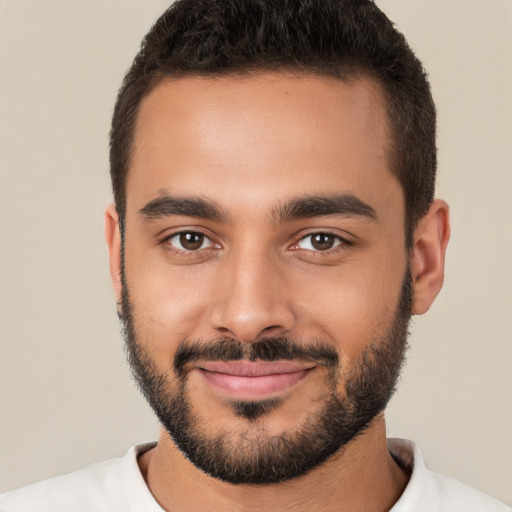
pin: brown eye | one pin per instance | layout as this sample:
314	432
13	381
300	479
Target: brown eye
322	241
319	242
189	241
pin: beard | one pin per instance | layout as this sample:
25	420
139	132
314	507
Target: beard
252	455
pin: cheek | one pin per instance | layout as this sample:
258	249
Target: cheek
168	303
353	306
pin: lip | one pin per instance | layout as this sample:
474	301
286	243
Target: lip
247	380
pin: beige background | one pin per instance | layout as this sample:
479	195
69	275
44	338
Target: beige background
65	395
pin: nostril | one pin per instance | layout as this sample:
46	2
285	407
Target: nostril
248	314
253	336
271	328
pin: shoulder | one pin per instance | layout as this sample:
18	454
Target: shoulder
456	496
98	487
433	492
92	488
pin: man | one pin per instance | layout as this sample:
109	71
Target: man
274	228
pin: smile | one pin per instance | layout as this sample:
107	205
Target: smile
246	380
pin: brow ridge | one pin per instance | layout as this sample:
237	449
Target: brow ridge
323	205
308	206
168	206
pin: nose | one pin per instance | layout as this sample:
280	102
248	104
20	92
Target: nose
252	300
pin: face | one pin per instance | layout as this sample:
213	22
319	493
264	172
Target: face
266	291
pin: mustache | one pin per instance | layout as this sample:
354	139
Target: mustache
270	349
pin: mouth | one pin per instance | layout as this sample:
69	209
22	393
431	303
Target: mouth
247	380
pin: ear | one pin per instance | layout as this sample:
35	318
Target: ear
428	255
113	239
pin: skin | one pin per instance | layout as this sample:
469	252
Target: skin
250	144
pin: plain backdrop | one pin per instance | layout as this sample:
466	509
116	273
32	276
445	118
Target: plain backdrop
66	397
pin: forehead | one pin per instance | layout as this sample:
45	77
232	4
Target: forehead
270	135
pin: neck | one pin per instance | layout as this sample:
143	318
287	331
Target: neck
362	477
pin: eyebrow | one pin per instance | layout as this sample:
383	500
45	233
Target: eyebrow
297	208
319	206
167	206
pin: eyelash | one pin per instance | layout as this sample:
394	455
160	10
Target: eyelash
341	243
186	252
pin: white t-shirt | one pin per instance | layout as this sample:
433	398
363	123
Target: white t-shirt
118	486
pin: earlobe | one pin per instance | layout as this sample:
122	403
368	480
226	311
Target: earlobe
113	239
428	257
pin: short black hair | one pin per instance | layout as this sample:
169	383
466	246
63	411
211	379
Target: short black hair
337	38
